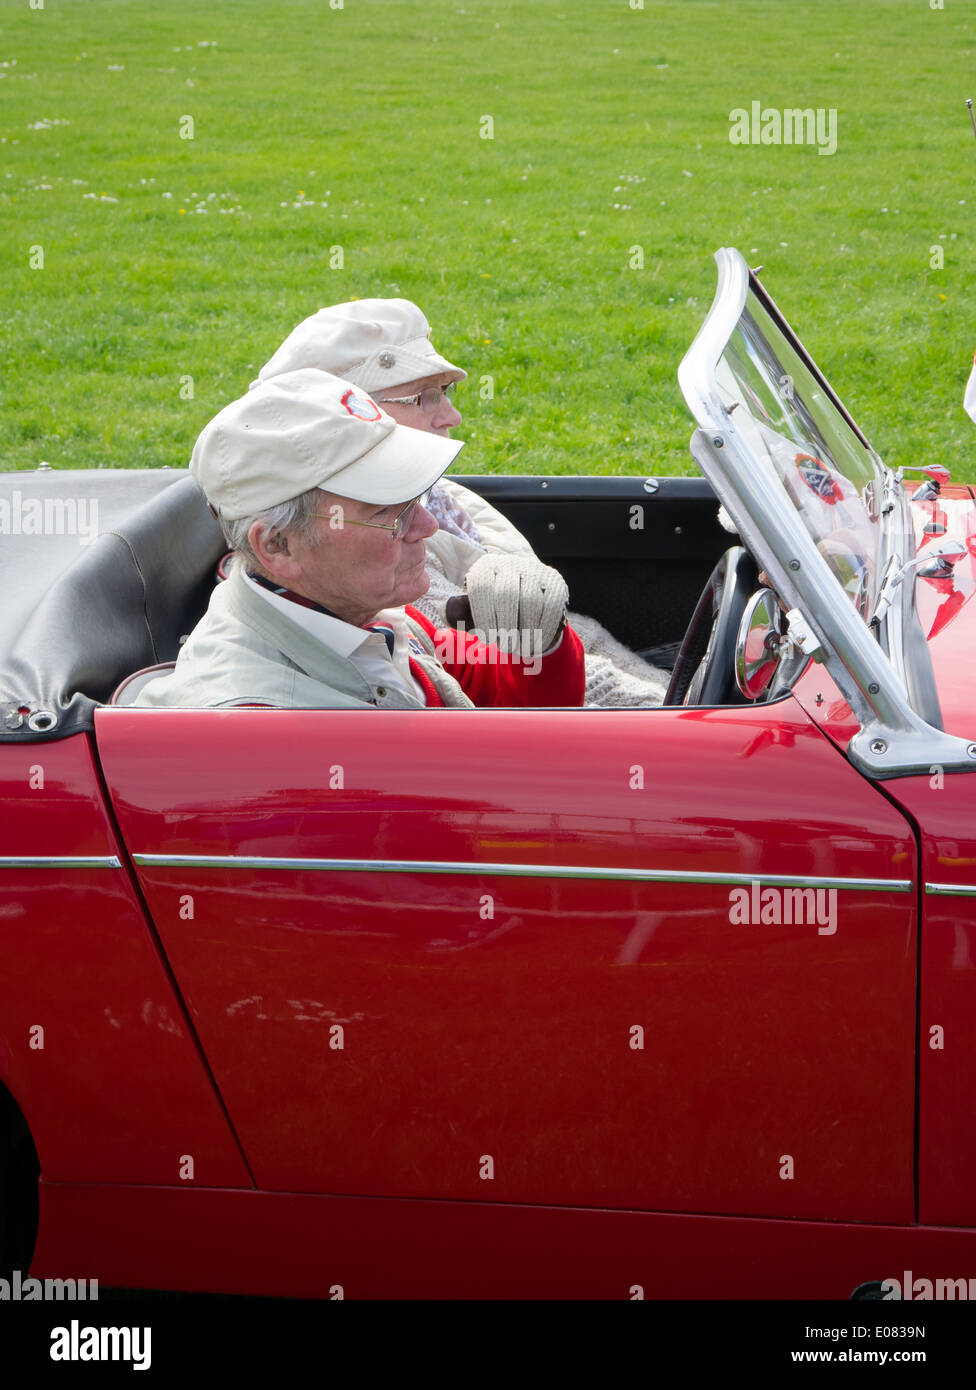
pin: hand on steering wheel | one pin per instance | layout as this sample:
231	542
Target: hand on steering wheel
704	673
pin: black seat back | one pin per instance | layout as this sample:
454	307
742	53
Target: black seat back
123	604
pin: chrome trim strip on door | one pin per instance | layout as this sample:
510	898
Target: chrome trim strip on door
60	861
439	866
963	890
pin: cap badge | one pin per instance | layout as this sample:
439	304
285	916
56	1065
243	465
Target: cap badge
818	479
361	406
386	359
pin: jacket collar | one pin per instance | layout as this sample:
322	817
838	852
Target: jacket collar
313	658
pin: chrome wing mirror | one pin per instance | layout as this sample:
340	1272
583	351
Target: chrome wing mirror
758	644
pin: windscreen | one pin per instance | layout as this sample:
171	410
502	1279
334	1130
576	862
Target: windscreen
798	434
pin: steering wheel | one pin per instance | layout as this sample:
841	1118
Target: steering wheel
704	673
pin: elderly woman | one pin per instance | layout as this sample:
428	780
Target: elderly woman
384	347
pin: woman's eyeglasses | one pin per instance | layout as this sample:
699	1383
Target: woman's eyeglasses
428	399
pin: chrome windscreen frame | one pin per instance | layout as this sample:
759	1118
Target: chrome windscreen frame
893	740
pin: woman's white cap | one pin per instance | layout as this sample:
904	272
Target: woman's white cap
377	344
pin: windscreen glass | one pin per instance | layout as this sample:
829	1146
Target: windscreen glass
810	451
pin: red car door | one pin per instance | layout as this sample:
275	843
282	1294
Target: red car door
947	1032
659	959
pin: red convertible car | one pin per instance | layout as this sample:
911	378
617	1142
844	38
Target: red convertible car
615	1003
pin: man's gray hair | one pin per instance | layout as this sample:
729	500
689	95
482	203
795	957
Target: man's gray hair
297	515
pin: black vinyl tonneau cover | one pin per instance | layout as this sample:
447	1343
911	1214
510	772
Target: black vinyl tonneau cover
78	613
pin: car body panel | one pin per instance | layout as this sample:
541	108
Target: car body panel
943	804
507	1037
304	1246
113	1086
945	607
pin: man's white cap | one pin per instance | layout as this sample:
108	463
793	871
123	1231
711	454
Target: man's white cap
377	344
310	429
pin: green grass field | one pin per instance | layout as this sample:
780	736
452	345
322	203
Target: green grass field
167	258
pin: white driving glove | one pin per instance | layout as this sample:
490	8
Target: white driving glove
517	602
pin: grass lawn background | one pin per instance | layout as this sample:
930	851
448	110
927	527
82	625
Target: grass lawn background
169	258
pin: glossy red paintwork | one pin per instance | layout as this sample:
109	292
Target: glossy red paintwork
308	1246
944	807
947	611
509	1037
118	1092
817	693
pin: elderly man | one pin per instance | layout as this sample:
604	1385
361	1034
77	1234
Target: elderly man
321	495
384	347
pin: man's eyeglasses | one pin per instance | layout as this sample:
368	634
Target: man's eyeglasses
400	524
428	399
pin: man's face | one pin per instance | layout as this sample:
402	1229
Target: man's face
439	421
355	570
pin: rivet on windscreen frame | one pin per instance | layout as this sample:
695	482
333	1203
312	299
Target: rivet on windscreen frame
878	745
719	442
794	564
651	484
873	688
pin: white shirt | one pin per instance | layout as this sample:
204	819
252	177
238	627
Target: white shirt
367	651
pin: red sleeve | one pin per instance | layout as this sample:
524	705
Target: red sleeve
490	677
